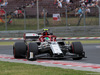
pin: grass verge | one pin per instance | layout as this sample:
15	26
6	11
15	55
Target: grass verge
82	41
86	41
7	68
6	43
31	23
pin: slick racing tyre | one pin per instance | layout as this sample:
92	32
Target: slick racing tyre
32	51
77	48
19	50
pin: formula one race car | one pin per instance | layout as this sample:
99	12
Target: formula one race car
45	45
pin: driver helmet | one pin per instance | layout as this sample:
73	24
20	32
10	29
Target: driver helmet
45	31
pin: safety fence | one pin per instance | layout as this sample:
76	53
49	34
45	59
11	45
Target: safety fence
74	31
41	16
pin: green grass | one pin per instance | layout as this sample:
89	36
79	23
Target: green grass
31	23
87	41
7	68
82	41
6	43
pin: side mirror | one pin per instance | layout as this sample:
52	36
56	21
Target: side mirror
39	33
51	33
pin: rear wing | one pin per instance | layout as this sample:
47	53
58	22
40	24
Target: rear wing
31	36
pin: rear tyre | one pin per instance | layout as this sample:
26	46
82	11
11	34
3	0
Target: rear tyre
77	48
19	50
32	51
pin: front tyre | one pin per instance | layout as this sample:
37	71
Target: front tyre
77	48
32	51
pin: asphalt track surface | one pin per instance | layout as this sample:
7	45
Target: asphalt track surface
92	53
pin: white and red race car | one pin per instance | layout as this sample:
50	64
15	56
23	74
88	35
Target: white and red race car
36	46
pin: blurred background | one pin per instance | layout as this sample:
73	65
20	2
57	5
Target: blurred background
70	18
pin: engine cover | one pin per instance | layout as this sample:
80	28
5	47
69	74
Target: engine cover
55	48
